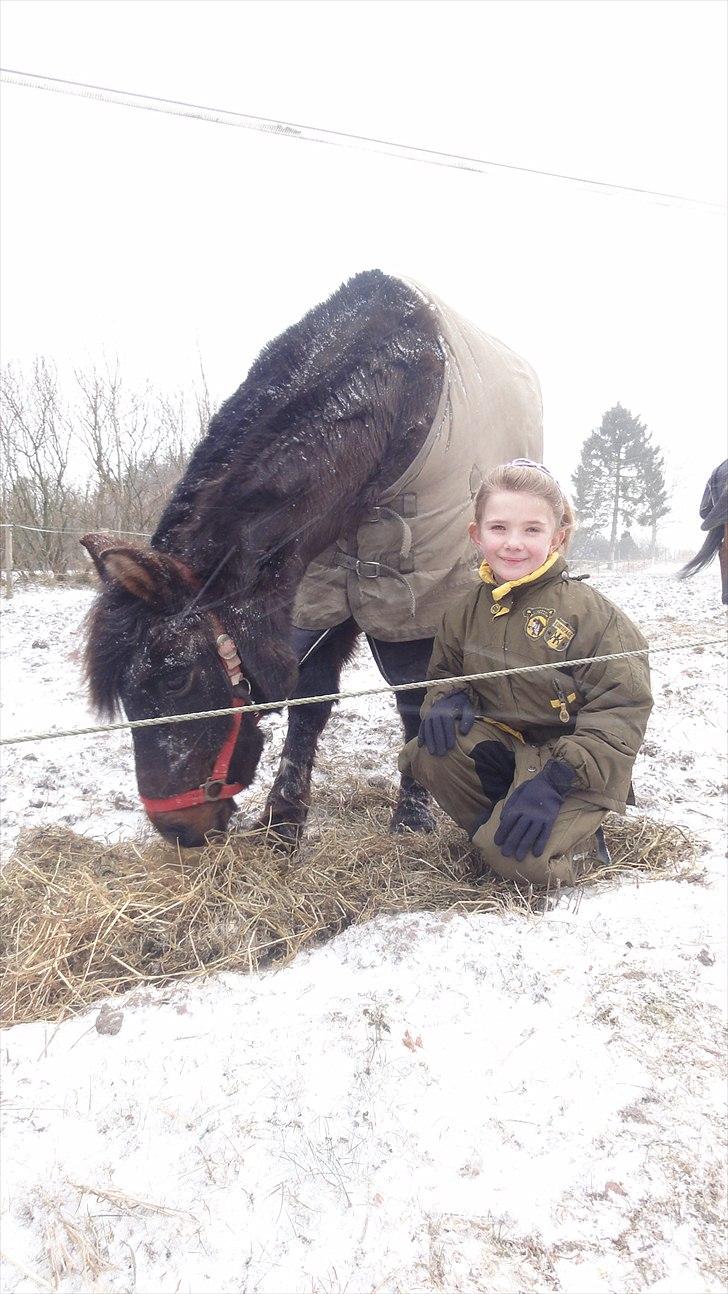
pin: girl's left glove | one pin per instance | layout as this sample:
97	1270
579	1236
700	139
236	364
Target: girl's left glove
530	812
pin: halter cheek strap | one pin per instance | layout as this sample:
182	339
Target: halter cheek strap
216	787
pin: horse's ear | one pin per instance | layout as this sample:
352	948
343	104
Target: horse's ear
138	570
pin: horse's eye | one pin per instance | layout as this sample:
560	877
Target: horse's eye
178	682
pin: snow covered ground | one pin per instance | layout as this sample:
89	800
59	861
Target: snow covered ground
489	1103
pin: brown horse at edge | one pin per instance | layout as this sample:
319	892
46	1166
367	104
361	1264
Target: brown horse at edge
714	513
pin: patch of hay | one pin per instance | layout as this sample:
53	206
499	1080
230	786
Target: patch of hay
80	921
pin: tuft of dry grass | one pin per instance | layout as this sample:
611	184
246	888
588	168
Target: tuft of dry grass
81	921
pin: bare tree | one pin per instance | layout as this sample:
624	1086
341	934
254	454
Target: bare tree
114	428
135	442
35	441
203	402
138	444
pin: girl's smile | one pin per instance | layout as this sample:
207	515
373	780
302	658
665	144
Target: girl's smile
516	534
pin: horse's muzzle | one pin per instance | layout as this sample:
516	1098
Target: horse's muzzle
191	827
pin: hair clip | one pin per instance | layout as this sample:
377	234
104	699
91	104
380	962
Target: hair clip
528	462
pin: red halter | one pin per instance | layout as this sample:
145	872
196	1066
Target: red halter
216	787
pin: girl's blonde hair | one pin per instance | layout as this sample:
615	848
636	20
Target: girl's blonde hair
524	477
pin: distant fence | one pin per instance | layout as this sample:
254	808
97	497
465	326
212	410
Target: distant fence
71	549
76	564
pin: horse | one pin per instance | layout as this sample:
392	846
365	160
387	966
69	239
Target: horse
714	512
330	496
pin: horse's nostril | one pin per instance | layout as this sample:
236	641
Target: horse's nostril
203	826
181	834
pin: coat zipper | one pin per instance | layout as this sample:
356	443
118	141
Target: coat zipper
564	715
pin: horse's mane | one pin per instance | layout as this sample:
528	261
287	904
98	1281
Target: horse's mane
114	627
313	374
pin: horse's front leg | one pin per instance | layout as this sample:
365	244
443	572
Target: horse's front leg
406	663
287	805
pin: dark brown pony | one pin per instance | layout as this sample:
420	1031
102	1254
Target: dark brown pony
332	411
714	512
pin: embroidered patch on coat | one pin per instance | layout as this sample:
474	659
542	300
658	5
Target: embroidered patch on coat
559	635
542	622
537	619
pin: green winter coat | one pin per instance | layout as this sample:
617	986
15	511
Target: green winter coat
596	713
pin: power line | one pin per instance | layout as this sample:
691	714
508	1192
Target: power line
335	138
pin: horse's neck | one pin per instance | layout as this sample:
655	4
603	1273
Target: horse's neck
249	530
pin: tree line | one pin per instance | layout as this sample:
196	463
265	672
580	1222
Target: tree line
102	457
107	457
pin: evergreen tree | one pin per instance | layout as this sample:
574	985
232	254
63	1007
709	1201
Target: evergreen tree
655	496
609	481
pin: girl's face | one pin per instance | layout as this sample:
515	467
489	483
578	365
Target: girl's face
516	534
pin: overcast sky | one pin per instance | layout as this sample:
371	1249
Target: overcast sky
158	239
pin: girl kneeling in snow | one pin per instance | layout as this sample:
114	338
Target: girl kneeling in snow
530	763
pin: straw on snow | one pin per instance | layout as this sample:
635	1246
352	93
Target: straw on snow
81	921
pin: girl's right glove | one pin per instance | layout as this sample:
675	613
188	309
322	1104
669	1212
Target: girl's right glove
530	812
437	730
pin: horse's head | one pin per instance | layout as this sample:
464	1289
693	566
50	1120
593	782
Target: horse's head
157	647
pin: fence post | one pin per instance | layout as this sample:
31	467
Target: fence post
8	561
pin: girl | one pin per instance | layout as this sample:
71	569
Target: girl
529	764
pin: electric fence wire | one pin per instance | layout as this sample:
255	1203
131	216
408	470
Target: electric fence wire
260	707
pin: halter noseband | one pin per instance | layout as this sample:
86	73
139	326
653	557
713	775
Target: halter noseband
216	787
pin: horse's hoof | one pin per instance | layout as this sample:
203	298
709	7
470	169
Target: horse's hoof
283	837
412	817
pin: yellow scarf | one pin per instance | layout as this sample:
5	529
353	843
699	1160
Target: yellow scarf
503	590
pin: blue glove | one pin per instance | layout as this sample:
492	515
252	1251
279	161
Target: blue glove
531	811
437	730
